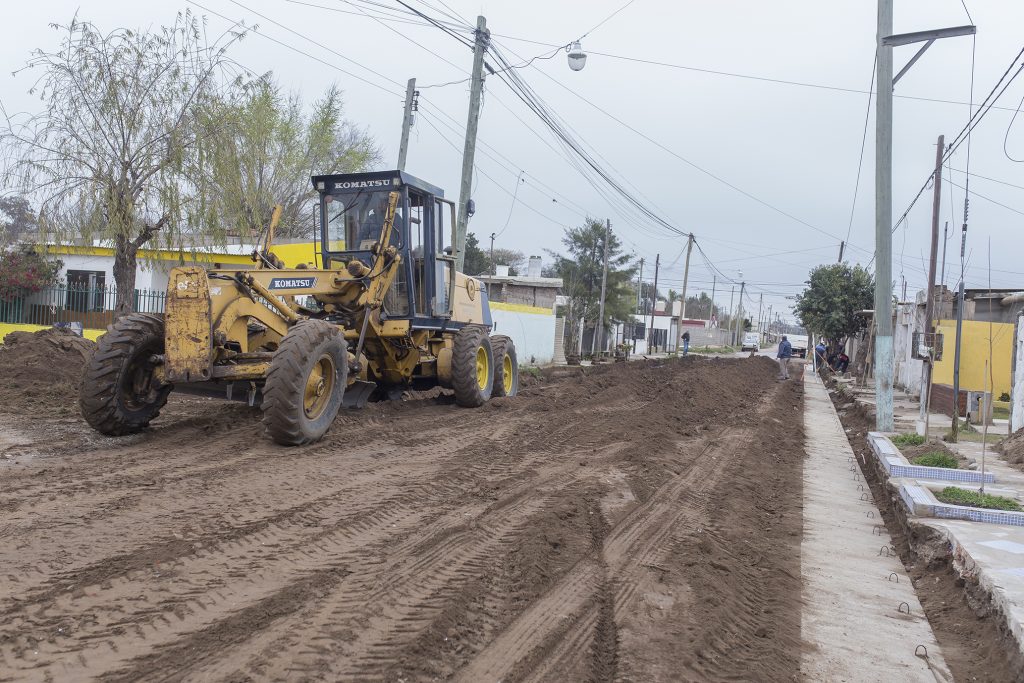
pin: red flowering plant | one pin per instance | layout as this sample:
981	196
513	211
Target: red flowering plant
24	271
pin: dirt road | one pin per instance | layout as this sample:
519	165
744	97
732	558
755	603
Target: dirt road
641	522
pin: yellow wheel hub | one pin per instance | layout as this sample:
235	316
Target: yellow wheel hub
319	387
482	367
506	372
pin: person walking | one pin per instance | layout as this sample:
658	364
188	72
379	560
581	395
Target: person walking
686	342
784	354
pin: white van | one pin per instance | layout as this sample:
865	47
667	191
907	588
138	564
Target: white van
751	341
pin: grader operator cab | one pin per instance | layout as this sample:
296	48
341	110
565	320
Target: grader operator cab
386	312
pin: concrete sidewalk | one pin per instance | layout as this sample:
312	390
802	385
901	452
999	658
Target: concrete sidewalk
854	623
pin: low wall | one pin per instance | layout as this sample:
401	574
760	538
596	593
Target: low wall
532	330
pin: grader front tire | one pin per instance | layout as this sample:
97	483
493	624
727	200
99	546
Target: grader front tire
506	366
305	383
472	367
118	395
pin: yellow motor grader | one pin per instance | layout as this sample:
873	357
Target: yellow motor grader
386	312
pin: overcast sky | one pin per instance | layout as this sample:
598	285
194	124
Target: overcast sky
792	147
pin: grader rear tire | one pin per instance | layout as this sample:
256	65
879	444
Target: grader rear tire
472	367
118	395
305	383
506	366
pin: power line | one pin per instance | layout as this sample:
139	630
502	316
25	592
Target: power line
301	52
690	163
863	141
606	19
987	199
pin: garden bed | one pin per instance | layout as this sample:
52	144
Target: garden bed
932	453
954	495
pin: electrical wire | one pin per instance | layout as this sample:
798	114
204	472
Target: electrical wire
297	50
863	143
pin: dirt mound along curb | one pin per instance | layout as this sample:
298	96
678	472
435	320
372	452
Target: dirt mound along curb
41	370
1013	447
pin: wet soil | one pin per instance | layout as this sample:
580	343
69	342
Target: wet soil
635	522
974	638
40	371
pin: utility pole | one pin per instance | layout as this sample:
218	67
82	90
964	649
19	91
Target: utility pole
959	330
407	121
686	278
945	240
883	195
739	317
599	330
494	267
732	293
883	224
842	246
714	282
929	302
639	296
760	307
483	37
654	301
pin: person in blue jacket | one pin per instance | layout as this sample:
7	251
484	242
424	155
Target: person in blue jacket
784	354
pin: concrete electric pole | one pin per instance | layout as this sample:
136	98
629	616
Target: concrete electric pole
407	121
686	278
883	224
883	196
483	37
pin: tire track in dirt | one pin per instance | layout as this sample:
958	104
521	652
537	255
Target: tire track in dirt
410	544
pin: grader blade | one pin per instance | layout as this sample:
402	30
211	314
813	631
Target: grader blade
357	394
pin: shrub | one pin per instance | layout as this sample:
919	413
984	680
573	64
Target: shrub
23	271
902	440
959	496
1005	396
937	459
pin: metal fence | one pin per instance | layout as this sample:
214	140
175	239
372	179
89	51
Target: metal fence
93	307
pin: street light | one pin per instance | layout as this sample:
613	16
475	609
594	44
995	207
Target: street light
577	57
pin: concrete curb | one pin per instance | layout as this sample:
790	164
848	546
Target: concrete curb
898	466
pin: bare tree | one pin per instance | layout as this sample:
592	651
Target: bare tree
269	151
114	152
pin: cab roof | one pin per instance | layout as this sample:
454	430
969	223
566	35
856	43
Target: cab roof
353	182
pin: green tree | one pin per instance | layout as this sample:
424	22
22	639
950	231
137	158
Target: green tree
834	293
17	219
476	262
114	151
515	260
265	151
581	271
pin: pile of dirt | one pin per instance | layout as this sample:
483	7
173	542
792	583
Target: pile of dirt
41	371
1012	448
933	446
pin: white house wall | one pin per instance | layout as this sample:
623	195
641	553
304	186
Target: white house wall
532	333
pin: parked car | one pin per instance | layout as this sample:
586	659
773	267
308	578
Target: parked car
751	341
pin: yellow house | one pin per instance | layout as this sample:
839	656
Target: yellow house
974	354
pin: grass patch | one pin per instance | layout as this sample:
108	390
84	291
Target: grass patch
1000	413
902	440
714	349
937	459
958	496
